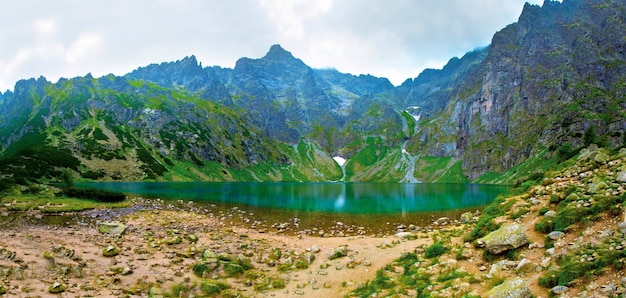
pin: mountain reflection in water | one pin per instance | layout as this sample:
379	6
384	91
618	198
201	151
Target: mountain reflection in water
356	198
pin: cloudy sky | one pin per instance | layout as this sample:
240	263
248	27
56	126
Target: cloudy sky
395	39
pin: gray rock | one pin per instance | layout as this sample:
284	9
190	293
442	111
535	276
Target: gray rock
112	228
550	213
309	257
558	290
510	236
556	235
597	185
524	265
467	217
404	235
621	176
512	288
622	227
338	252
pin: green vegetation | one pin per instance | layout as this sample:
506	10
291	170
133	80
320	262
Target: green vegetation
486	221
213	288
568	213
48	203
435	250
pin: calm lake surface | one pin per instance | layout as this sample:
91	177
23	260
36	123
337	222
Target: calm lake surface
346	198
379	207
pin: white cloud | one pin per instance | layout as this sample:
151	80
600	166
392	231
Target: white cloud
288	15
80	49
45	28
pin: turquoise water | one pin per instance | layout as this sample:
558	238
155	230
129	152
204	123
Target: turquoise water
330	198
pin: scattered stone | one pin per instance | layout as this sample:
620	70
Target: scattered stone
111	251
442	221
466	254
404	235
517	288
338	252
467	217
367	263
314	249
507	237
550	213
154	291
621	176
57	288
597	185
554	235
353	264
558	290
524	265
609	290
622	227
309	257
482	268
112	228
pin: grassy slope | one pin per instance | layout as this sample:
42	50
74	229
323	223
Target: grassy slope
589	202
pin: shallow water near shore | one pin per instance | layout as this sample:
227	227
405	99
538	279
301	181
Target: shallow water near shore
377	207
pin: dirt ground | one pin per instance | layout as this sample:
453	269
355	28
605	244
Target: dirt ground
156	254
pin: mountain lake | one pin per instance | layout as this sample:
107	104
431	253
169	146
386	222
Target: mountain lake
374	206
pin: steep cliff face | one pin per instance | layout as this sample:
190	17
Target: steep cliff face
546	79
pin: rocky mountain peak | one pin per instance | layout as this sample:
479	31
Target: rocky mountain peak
276	52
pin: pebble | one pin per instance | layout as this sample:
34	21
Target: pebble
558	290
556	235
550	213
314	249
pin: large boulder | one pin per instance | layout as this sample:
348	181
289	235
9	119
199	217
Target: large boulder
512	288
112	228
507	237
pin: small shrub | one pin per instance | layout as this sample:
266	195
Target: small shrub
212	288
181	290
233	269
276	254
301	264
450	276
519	212
200	268
435	250
549	280
565	152
278	283
566	217
546	225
